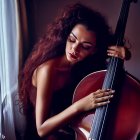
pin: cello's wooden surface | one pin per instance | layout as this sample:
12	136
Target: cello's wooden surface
126	123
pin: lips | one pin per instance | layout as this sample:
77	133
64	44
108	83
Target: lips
73	56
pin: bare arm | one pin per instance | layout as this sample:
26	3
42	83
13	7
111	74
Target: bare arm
46	125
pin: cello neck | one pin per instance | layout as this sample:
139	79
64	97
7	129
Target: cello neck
121	24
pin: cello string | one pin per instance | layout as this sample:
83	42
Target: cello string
120	37
114	61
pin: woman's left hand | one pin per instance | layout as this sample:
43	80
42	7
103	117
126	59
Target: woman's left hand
121	52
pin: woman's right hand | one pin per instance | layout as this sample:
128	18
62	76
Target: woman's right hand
93	100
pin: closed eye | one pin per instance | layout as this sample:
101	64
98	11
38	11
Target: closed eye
71	39
86	47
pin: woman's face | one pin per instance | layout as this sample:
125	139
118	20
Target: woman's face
80	43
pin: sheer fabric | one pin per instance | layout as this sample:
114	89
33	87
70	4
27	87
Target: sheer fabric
10	118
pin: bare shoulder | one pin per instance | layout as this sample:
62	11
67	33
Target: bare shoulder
43	71
46	68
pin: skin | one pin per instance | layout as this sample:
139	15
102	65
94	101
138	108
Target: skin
80	44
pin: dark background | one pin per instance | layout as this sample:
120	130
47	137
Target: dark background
42	12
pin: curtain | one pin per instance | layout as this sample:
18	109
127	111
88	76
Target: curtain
11	121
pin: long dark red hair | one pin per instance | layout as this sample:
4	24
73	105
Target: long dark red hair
53	43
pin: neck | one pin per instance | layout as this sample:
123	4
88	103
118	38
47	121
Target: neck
63	63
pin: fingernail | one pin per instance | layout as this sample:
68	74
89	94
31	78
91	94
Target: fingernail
113	91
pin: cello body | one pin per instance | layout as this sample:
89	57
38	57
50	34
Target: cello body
124	122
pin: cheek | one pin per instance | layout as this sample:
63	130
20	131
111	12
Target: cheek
83	55
86	54
68	47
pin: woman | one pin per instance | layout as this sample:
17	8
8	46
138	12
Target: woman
75	45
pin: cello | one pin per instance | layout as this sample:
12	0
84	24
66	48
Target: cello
119	120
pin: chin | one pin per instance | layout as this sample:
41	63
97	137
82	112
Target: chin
72	61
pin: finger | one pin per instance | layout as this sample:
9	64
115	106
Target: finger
112	47
104	93
103	99
110	54
113	51
102	103
101	91
114	54
97	92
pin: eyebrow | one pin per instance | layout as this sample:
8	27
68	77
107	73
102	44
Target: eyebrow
84	41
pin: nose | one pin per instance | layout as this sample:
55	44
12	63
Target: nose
76	48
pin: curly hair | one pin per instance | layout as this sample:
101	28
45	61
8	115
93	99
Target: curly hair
53	43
